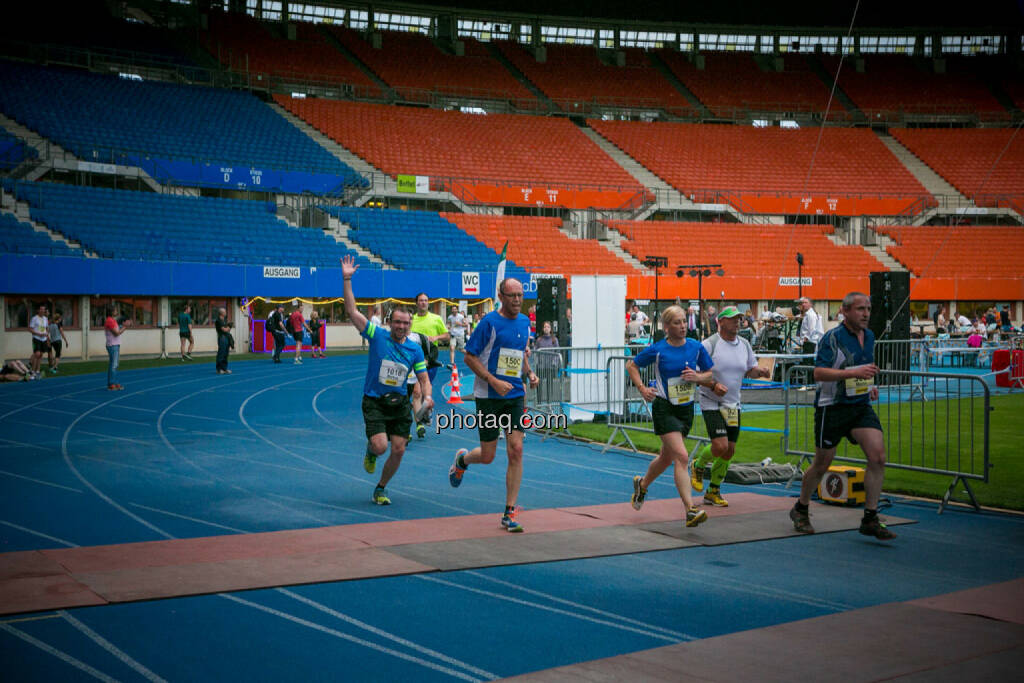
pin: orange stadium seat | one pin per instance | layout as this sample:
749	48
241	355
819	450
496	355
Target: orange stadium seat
748	165
982	163
244	44
573	75
414	64
537	244
747	250
481	152
730	82
893	83
971	251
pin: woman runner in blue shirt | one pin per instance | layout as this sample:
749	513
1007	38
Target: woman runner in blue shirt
680	364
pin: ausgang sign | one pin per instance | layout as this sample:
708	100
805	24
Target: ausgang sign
282	272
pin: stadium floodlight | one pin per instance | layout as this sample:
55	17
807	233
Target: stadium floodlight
700	271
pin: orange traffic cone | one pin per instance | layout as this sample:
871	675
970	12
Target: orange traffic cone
454	395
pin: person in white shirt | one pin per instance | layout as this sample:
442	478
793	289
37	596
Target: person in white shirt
39	327
733	360
811	328
964	323
457	327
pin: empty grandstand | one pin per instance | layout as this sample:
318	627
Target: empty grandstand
18	237
952	251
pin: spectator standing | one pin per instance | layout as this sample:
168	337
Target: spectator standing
57	341
431	327
315	326
1004	319
457	328
811	327
185	332
224	341
39	327
112	330
297	325
275	325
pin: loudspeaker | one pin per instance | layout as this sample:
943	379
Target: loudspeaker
551	307
890	320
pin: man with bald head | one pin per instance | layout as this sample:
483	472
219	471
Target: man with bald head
496	353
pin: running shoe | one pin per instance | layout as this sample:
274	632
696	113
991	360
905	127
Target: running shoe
455	472
695	516
508	520
714	497
53	371
369	462
639	493
188	356
421	431
875	527
380	496
696	476
802	521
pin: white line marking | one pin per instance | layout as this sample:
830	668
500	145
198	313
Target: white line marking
546	608
548	596
40	534
40	481
390	636
119	438
333	507
22	444
190	519
204	417
111	648
63	656
350	638
151	470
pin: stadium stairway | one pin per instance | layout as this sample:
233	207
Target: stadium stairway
931	180
661	67
819	69
668	197
20	210
496	52
339	231
335	41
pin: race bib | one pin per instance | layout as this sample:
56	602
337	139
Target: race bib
392	374
731	415
858	387
680	392
510	362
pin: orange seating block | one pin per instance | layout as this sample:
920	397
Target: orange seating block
966	251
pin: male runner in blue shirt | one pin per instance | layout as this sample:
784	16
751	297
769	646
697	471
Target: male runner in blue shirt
496	353
386	409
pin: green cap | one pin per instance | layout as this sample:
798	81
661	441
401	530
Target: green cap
729	312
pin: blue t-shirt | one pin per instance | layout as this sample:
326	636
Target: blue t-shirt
840	349
390	362
669	363
500	344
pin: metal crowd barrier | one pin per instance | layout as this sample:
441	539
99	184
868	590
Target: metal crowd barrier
936	423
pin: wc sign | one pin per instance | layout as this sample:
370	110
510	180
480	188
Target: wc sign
470	284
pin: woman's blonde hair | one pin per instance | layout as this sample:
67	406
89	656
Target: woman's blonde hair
670	314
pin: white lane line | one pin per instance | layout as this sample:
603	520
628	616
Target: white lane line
190	519
123	656
548	596
548	608
22	444
54	410
40	481
390	636
353	639
204	417
40	534
63	656
117	419
333	507
142	410
250	461
142	468
119	438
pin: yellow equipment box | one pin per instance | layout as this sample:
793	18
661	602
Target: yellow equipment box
843	485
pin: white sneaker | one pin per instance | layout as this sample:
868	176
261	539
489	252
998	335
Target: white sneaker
298	361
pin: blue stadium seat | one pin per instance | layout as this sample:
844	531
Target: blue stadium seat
166	128
145	226
21	238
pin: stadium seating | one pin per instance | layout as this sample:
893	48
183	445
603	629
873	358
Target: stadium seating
971	251
13	151
538	244
244	44
415	66
109	119
982	163
893	83
574	76
419	240
21	238
711	162
730	82
747	250
144	226
508	148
